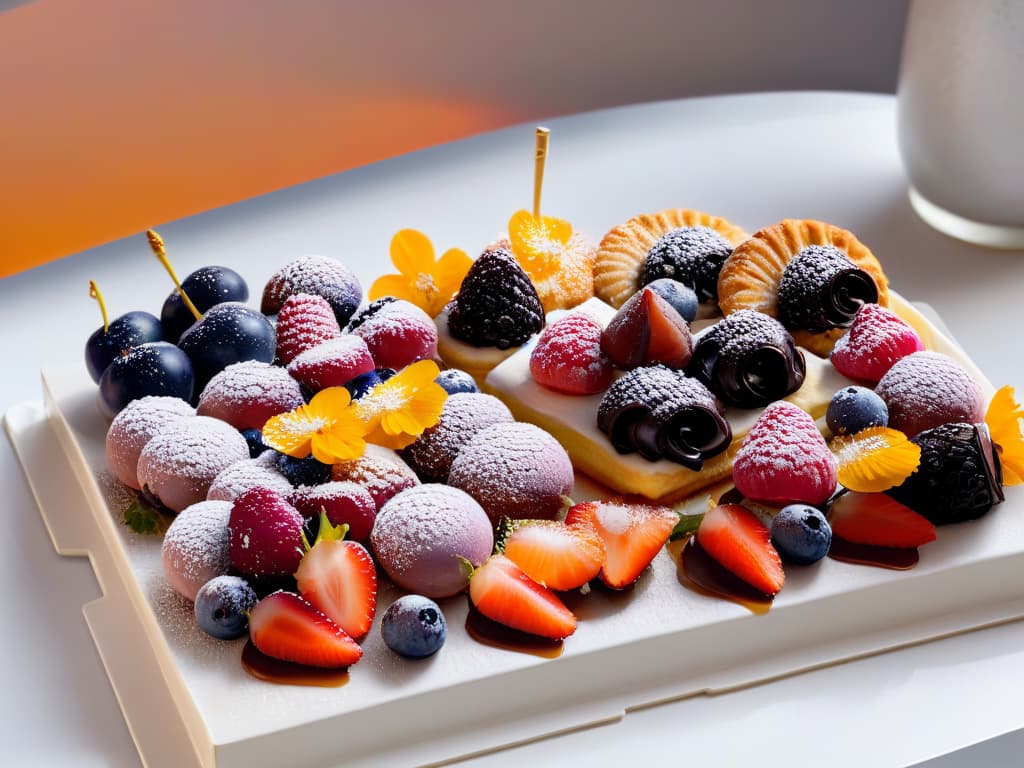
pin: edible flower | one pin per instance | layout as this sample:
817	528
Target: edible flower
396	412
1003	421
538	242
427	283
875	459
328	427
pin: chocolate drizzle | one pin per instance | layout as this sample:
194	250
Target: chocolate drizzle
748	360
663	414
822	289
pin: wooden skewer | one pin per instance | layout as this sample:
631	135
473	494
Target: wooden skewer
540	158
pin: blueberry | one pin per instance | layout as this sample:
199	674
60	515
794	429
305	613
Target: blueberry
680	297
362	384
228	333
801	534
413	626
222	607
254	438
456	381
206	287
307	471
127	331
855	408
154	368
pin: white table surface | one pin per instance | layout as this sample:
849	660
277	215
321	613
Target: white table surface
754	159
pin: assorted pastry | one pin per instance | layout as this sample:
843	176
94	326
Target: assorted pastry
430	433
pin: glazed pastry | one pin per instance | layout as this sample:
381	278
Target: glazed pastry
685	245
813	276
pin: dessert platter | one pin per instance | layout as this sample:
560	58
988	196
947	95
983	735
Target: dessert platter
484	500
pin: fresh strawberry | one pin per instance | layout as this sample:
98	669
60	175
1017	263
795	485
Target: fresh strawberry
879	520
647	330
556	555
265	533
632	534
738	541
332	363
343	501
877	339
784	459
396	332
568	357
338	578
503	593
284	626
304	322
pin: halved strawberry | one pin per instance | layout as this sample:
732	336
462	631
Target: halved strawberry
879	520
555	555
338	578
632	534
284	626
502	592
738	541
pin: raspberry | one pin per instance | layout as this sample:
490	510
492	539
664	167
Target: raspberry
303	322
822	289
332	363
959	477
784	459
397	333
748	359
692	256
319	275
661	413
497	305
568	357
877	339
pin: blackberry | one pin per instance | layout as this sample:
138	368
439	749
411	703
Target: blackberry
748	360
959	477
822	289
663	414
497	305
367	312
692	256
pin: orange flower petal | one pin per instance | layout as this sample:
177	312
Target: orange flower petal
875	459
398	286
291	432
538	244
1003	420
412	253
394	442
340	444
330	402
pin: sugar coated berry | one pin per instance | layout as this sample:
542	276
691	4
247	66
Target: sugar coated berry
801	534
196	547
413	626
134	426
420	534
222	607
926	389
455	381
246	394
855	408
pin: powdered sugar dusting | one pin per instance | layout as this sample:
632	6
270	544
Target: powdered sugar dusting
614	518
926	389
464	415
332	363
516	470
134	426
243	475
303	322
876	340
247	394
379	470
196	546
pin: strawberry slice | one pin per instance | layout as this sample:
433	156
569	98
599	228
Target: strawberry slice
338	578
879	520
284	626
556	555
503	593
632	534
734	537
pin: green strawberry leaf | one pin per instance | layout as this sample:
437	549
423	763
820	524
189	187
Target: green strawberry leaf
687	526
145	519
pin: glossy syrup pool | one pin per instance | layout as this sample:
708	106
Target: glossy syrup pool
698	571
496	635
894	558
262	667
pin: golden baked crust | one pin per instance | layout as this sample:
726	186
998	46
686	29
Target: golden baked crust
623	251
750	276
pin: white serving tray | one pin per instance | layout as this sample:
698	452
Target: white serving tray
188	702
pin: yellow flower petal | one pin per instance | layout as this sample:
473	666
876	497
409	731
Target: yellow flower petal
451	270
1003	419
875	459
426	406
291	432
412	253
538	244
400	421
394	442
330	402
398	286
342	443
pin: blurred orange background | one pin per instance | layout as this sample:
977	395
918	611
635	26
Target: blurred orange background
118	115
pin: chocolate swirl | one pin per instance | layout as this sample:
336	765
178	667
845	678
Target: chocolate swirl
748	360
663	414
821	289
